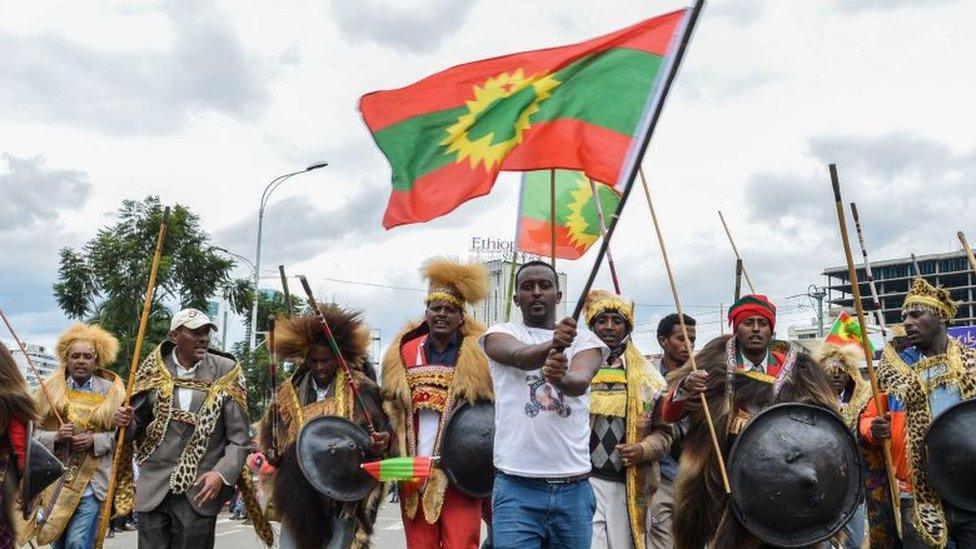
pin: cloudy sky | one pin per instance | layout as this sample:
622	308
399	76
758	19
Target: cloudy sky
203	103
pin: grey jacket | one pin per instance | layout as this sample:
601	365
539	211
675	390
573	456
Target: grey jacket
103	444
229	444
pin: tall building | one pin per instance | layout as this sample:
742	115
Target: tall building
893	278
492	310
45	363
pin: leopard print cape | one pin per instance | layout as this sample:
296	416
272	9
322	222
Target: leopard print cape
905	382
153	375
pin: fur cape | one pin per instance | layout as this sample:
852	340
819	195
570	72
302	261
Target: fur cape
471	383
702	511
103	416
306	511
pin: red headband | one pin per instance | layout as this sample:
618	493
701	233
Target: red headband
752	305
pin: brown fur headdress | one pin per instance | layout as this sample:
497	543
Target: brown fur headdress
104	344
295	336
455	282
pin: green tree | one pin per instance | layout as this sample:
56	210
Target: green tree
105	280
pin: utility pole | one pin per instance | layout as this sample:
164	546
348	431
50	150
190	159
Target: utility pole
818	293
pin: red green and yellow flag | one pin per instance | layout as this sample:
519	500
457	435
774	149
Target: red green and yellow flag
399	469
577	224
846	331
581	107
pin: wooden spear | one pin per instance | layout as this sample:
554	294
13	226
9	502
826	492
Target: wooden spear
735	250
684	330
870	275
738	279
30	364
273	372
603	233
106	511
868	358
284	288
969	250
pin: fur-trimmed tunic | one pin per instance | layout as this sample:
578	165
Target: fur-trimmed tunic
702	512
88	411
306	512
470	383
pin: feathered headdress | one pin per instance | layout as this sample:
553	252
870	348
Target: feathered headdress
601	301
102	343
454	282
295	336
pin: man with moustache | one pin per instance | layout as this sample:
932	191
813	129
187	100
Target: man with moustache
541	371
189	420
86	396
740	375
672	341
921	376
434	367
628	437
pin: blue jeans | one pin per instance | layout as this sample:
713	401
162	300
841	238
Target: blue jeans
855	528
532	513
80	531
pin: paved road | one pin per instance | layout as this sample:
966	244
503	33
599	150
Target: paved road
234	534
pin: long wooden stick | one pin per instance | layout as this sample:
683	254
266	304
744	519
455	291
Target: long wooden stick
867	271
284	288
273	373
603	233
969	250
106	511
334	345
511	286
735	250
684	330
868	357
33	368
738	280
633	165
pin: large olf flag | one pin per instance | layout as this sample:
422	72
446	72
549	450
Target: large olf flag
577	223
581	107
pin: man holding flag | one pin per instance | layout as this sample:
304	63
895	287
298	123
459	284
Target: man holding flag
433	367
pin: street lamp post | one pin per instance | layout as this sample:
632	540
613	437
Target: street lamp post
270	188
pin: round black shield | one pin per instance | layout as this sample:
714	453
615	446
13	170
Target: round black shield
795	472
330	451
41	469
950	447
466	449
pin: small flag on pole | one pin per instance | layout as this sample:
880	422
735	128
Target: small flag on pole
399	469
846	331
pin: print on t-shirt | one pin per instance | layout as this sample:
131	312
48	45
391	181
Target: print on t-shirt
544	398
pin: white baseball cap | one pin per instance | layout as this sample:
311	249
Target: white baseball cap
192	319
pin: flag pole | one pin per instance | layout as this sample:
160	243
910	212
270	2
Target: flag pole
552	218
689	27
969	250
603	233
867	271
735	250
33	368
687	340
106	511
865	345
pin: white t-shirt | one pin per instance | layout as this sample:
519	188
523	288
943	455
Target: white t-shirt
539	432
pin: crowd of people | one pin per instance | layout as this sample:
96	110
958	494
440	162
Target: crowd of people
593	444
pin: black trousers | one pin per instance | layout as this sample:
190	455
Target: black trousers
962	526
174	524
